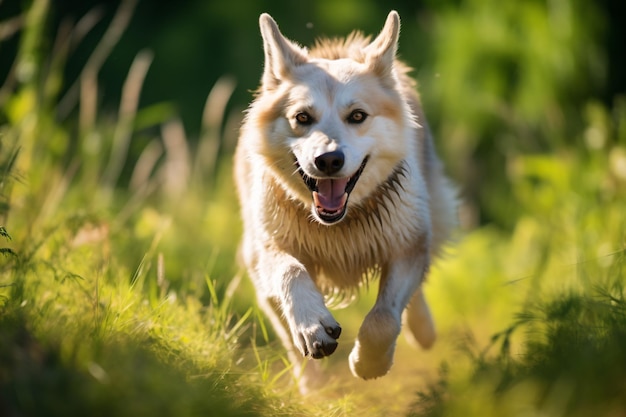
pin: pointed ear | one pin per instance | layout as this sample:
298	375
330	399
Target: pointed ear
380	54
281	55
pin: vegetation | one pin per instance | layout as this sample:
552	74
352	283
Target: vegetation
120	292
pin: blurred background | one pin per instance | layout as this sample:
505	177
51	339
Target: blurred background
128	111
118	120
131	109
497	78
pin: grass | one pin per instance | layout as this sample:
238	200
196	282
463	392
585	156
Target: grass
120	293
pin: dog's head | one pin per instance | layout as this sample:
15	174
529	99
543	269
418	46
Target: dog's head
334	123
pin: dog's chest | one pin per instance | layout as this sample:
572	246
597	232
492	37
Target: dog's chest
340	256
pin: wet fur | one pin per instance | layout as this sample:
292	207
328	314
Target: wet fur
399	214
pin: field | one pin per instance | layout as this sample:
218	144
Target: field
120	292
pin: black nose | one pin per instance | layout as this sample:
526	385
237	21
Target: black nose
330	162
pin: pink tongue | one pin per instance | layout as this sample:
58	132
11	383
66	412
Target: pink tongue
331	194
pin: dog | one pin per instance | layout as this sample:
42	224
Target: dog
339	183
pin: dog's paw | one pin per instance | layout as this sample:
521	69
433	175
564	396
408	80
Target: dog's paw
318	340
372	355
369	365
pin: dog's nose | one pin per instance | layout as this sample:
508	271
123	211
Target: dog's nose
330	162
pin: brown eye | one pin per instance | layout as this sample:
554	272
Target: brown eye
304	118
357	116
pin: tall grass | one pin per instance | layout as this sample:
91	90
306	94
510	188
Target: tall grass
120	294
562	277
109	305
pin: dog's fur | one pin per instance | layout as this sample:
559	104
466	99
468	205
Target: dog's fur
320	118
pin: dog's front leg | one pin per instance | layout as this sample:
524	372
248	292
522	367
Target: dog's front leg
314	330
372	355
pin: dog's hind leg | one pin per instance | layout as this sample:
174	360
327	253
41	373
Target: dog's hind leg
418	319
372	355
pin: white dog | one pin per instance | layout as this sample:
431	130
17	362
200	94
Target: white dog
339	182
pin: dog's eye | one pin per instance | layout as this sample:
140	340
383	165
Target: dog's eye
304	118
357	116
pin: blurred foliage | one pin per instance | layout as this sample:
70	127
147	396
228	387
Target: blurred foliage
119	225
511	78
559	277
573	364
498	79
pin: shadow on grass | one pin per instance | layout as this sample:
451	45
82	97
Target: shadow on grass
120	379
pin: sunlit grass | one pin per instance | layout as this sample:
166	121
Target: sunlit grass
120	291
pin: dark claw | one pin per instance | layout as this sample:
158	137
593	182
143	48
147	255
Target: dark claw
318	353
323	349
329	348
334	332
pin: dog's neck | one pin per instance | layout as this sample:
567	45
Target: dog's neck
370	208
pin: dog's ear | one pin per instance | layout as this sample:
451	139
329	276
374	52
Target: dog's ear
281	55
380	54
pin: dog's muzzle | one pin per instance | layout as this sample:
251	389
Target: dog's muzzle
330	195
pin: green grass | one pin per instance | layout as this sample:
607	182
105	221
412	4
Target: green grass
120	293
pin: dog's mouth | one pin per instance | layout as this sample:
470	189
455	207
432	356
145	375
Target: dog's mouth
330	195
